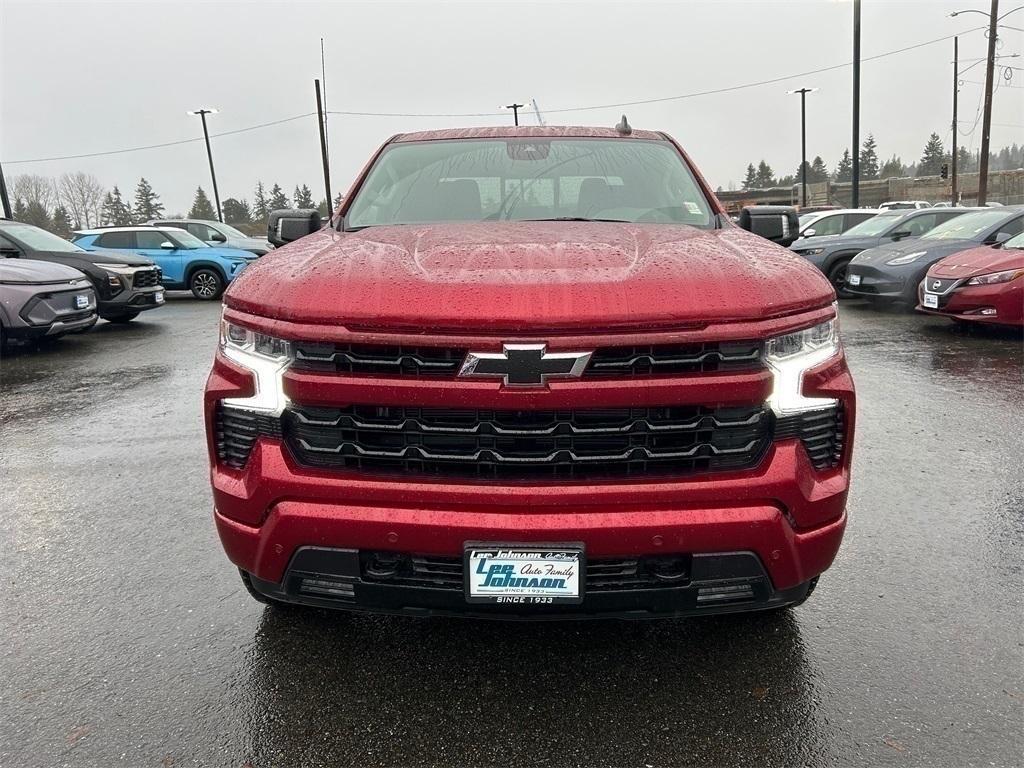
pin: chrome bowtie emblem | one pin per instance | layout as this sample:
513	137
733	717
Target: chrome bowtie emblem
936	285
525	365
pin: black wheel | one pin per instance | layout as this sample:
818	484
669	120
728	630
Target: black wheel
837	276
125	318
206	284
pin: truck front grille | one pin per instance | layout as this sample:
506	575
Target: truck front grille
146	278
510	445
443	362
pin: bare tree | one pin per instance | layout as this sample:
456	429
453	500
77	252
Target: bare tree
34	189
82	194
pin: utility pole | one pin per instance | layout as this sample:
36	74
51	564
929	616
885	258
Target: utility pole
209	154
956	81
803	142
986	122
855	186
515	111
323	143
4	200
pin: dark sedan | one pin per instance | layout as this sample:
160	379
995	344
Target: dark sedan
892	272
126	284
832	254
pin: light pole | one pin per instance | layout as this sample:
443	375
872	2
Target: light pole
803	142
515	111
209	154
5	202
855	181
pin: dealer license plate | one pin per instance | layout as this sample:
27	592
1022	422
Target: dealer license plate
853	279
524	574
931	300
81	301
160	297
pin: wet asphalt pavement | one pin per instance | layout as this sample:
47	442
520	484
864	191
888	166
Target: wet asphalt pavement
128	639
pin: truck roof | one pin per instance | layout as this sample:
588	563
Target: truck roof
526	131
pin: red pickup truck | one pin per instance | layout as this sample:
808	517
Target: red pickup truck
529	372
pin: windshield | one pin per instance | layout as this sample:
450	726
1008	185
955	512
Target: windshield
1017	241
876	225
37	239
229	231
529	180
184	239
807	218
966	226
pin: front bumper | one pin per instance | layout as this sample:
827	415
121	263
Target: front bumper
881	283
1001	304
132	300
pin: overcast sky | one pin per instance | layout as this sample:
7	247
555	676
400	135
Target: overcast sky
89	77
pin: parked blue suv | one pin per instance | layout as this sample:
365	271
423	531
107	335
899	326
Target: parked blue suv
186	261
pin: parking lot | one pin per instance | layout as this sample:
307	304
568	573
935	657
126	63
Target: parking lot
130	640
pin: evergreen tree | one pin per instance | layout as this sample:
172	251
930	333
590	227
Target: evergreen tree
891	168
147	203
260	206
932	158
765	176
60	225
35	213
751	178
303	197
19	209
819	171
115	211
236	211
323	209
964	161
278	199
201	207
869	159
844	171
799	175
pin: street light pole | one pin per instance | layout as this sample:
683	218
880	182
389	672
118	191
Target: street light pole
986	120
5	201
515	111
956	81
803	142
855	186
209	154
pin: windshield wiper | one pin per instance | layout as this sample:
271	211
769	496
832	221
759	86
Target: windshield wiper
580	218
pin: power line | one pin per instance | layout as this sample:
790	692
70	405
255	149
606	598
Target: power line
617	105
164	144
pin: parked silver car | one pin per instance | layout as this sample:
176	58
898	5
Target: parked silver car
39	299
218	235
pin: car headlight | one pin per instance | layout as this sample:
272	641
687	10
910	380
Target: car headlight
994	278
811	251
266	357
906	258
790	356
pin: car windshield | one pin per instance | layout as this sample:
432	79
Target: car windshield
876	225
966	227
807	218
1017	241
229	231
37	239
185	240
529	180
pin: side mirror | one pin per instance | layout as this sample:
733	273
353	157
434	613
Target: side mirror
998	240
778	223
809	232
218	238
167	245
289	224
901	235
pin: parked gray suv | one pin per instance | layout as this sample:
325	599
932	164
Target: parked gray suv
216	234
39	299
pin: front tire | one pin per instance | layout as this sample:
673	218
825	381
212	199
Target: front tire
837	276
206	284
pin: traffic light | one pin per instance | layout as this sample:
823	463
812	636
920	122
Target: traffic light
944	171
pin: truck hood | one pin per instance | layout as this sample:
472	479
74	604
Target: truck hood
31	271
979	261
528	276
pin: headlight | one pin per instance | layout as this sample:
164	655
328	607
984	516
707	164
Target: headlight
994	278
266	357
906	258
811	251
790	356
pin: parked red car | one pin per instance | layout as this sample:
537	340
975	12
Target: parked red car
530	372
982	285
